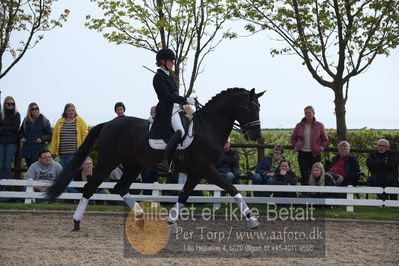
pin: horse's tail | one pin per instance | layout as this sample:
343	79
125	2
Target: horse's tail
67	174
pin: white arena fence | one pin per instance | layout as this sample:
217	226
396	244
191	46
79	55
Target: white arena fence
349	201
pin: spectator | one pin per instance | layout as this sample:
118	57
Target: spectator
228	166
344	168
152	114
34	133
45	169
149	175
68	134
284	176
319	177
383	166
266	169
309	139
9	125
120	109
84	174
116	175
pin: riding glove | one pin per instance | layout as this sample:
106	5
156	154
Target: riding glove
190	101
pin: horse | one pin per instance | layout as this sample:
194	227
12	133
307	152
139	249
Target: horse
125	141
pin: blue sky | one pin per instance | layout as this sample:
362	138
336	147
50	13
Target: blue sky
74	64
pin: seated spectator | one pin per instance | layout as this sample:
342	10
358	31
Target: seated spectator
344	168
34	133
116	174
228	166
84	174
319	177
284	176
46	169
383	166
266	169
148	176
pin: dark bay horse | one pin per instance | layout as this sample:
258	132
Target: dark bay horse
125	141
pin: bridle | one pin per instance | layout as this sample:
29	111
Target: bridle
242	129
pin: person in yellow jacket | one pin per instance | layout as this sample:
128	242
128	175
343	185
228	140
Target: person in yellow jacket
68	134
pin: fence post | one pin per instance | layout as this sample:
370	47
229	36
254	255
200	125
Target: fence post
261	151
349	196
155	192
28	189
216	194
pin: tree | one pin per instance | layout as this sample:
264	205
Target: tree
336	39
188	27
24	19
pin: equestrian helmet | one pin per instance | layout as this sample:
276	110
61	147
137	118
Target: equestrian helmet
165	54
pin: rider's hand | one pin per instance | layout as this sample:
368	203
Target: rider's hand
190	101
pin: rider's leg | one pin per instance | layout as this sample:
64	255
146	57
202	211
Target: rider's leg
174	140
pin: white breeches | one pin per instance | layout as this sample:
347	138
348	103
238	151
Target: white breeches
175	120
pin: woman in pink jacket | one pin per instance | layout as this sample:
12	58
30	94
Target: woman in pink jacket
309	139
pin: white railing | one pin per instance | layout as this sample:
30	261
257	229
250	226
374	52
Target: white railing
350	201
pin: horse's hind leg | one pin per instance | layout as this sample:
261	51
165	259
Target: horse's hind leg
188	188
130	172
88	190
217	179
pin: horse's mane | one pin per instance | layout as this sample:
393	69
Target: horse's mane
223	94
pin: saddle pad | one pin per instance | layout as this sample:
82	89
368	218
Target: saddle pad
160	144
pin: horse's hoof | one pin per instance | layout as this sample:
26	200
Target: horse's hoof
139	216
76	226
252	223
173	229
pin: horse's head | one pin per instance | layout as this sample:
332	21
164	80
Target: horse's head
248	116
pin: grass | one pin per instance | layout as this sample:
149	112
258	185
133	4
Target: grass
360	212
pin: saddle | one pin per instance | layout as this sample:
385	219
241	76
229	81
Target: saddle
186	118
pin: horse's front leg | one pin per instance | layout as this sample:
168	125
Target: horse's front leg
215	177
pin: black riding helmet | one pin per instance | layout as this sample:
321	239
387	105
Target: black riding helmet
165	54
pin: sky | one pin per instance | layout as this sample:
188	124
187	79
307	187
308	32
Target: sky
76	65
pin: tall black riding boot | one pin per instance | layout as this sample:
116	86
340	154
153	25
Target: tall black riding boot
169	151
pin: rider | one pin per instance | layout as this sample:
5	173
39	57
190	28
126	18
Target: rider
167	110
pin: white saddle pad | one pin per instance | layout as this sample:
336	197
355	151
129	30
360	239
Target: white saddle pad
160	144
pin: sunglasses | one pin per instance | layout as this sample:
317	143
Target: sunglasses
11	104
34	109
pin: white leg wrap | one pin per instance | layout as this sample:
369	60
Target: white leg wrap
132	203
241	203
80	210
174	212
